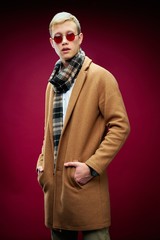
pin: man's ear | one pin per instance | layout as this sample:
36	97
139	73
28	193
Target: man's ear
51	42
81	37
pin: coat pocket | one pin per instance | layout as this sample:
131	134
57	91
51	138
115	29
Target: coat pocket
69	179
45	181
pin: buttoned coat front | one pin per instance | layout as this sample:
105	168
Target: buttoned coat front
95	128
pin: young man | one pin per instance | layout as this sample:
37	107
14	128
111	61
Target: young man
86	124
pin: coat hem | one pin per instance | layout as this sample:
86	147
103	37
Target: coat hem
80	228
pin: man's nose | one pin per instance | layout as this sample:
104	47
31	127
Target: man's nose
64	39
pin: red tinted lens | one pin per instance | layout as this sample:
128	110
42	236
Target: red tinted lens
70	36
58	38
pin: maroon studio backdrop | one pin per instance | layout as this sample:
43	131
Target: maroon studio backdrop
124	38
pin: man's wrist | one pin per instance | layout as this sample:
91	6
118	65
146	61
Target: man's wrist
39	169
93	172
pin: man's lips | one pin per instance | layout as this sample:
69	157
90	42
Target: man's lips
65	49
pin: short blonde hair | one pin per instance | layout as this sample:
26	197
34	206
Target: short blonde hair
62	17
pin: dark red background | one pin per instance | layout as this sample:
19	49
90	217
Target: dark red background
122	37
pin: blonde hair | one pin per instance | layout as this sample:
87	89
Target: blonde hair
62	17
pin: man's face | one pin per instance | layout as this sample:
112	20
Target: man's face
66	47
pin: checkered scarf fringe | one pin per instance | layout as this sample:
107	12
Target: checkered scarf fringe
62	80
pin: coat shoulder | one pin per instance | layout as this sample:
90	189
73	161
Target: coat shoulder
102	77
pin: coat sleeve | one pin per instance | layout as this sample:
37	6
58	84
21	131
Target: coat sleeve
117	124
40	161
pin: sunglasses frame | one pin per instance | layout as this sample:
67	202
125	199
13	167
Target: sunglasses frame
67	35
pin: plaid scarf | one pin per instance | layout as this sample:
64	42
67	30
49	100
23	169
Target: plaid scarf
62	80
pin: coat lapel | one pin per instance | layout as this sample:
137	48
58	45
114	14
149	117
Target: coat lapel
76	90
74	96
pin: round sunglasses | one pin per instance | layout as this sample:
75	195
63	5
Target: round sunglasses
70	36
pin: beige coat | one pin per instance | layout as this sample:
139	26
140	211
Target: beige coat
95	128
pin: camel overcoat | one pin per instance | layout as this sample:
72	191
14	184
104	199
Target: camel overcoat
95	128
